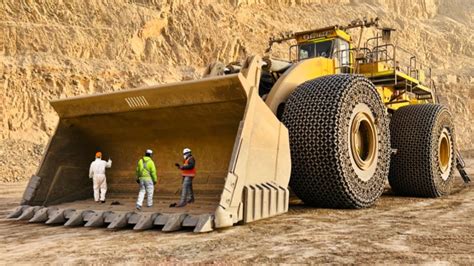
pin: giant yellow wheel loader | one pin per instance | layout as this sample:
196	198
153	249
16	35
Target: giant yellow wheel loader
333	123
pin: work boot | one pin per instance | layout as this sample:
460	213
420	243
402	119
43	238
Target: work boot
182	204
190	201
102	201
139	208
172	205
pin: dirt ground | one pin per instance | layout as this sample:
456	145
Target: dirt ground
395	230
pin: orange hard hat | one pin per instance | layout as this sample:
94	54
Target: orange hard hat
98	154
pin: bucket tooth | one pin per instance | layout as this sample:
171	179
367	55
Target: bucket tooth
88	215
68	213
97	219
133	219
17	212
42	215
28	213
145	221
120	220
190	221
174	222
161	219
57	217
110	217
77	218
205	223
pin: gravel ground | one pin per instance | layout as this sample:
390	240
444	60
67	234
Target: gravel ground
395	230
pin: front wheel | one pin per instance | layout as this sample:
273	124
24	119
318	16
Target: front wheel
339	140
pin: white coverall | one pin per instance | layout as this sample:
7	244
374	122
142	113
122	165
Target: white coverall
97	173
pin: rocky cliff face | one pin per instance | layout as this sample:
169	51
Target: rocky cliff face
51	49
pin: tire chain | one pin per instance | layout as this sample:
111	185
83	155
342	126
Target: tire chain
415	132
317	115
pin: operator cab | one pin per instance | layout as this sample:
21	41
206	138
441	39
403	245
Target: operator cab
331	43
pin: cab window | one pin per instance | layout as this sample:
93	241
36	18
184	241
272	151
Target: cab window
310	50
343	53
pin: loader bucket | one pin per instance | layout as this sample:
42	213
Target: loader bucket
241	150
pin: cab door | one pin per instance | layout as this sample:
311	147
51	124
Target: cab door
342	56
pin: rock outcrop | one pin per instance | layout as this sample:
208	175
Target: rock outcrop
51	49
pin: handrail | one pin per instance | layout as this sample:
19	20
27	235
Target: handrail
382	52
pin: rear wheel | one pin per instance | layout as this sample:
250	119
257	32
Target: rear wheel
424	163
339	142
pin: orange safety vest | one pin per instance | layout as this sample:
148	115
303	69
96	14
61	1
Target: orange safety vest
188	172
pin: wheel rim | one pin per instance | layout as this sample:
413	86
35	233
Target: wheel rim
363	142
444	153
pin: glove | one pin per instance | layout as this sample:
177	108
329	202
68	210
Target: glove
177	165
138	181
154	182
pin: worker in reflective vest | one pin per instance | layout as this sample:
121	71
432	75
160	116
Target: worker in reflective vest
188	171
146	178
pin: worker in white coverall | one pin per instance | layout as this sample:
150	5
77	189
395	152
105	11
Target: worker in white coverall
97	173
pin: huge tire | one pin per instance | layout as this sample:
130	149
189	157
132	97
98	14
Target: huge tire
339	139
423	165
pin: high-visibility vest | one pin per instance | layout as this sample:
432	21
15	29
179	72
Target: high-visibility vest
188	172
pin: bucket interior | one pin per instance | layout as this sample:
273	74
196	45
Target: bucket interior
209	130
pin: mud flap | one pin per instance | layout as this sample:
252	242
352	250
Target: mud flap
461	165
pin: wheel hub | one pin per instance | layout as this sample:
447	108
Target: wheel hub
444	153
363	141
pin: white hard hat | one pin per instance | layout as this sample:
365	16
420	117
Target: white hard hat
149	151
186	150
